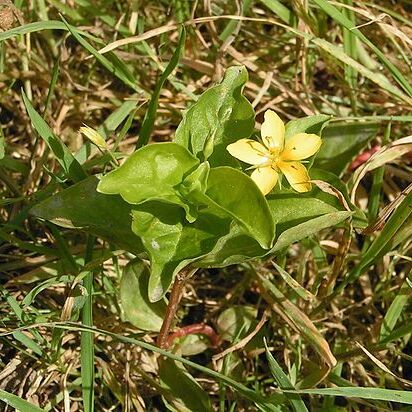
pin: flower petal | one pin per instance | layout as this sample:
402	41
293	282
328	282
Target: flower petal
265	178
249	151
297	175
300	146
273	131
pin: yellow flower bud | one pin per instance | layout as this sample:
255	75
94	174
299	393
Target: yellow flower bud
94	136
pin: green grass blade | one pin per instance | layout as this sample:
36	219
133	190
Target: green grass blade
377	182
117	67
377	394
87	338
379	245
293	284
55	75
18	403
396	308
242	389
110	124
148	121
333	12
70	165
38	26
284	383
375	77
280	10
350	48
231	27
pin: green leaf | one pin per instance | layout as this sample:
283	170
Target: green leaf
237	194
284	383
149	118
138	310
308	228
18	403
310	124
172	242
232	248
237	246
82	207
152	173
291	209
221	116
186	395
341	142
70	165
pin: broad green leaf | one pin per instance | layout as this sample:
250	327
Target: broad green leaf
308	228
341	142
237	246
186	395
18	403
70	165
138	310
234	247
291	209
194	185
284	382
152	173
172	242
82	207
310	124
221	116
238	195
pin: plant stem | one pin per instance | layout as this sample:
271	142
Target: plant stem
174	300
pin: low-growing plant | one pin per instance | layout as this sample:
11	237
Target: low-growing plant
189	204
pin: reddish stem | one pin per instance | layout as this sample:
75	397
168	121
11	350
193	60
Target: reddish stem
363	158
174	300
197	328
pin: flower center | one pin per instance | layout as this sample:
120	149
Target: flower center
274	155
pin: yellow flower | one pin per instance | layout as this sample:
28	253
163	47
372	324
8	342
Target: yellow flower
93	136
274	155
